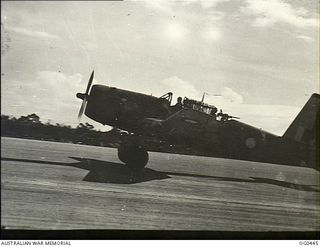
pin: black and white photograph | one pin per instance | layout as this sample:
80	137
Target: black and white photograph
160	119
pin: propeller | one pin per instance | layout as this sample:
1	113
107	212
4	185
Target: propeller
85	96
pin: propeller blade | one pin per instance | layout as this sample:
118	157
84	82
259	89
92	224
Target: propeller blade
83	107
90	82
85	96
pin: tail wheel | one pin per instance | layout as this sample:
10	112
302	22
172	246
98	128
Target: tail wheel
134	156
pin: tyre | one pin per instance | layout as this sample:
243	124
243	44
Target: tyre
134	156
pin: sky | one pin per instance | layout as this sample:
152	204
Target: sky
261	57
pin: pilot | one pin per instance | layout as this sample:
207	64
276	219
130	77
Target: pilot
178	105
213	112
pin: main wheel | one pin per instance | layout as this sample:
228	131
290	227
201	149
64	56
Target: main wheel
133	155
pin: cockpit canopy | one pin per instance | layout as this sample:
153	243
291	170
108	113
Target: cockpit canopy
199	106
192	104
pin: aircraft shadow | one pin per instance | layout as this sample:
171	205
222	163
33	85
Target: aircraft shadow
285	184
109	172
116	173
104	171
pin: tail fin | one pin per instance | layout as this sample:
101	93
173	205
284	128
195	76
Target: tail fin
305	127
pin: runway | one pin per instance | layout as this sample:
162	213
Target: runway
47	185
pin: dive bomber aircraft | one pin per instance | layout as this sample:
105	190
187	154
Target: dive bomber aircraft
197	124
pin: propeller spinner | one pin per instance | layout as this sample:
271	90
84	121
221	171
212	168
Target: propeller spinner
85	96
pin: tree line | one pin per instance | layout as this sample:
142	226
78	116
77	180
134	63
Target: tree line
31	127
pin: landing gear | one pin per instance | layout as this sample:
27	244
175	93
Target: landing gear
133	155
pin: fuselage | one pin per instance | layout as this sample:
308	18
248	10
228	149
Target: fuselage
148	115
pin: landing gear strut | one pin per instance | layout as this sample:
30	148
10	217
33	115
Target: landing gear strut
133	155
